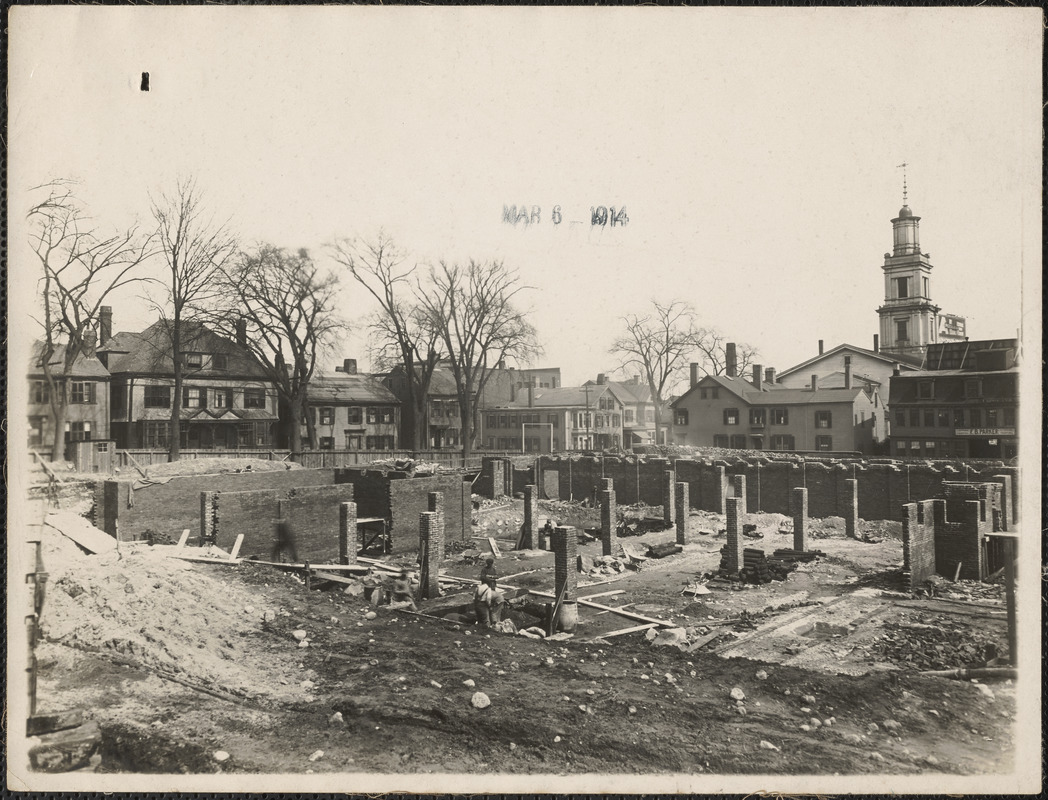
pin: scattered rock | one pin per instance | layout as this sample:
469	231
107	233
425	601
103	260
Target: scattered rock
370	615
435	685
737	694
316	755
854	738
815	722
891	725
303	643
670	637
268	615
556	738
763	676
336	719
650	636
249	609
828	721
765	745
930	759
809	699
876	756
355	589
480	700
872	728
805	727
741	710
299	634
512	746
220	756
633	709
986	690
307	685
469	682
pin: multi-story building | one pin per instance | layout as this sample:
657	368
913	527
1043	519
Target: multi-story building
84	389
638	410
352	411
548	420
963	405
729	411
227	401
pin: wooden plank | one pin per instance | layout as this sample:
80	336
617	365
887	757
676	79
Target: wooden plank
326	567
517	574
135	464
330	576
236	547
702	641
612	609
207	559
494	547
183	538
624	631
617	608
47	468
603	594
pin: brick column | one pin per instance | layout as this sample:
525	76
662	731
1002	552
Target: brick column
738	483
565	558
722	482
498	478
800	518
431	529
682	510
347	533
208	534
669	478
851	508
1006	501
531	513
733	549
607	519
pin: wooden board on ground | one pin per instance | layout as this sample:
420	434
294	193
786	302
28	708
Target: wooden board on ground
236	547
330	576
324	567
612	609
602	594
82	532
207	559
624	631
494	547
183	538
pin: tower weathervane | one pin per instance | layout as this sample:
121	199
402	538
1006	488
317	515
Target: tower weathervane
903	166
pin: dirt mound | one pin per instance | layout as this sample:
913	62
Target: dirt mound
212	466
163	613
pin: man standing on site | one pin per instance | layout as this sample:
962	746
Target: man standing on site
488	601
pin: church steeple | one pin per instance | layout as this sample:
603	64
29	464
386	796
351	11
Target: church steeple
908	318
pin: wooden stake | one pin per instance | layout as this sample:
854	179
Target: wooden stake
183	538
236	547
957	573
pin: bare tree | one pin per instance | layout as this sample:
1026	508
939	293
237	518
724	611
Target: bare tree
713	354
288	307
194	248
474	310
81	268
658	344
399	331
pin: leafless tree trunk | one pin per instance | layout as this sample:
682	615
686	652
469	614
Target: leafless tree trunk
194	248
474	310
288	306
80	270
399	331
658	344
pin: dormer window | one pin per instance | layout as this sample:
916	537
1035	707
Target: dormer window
194	360
925	390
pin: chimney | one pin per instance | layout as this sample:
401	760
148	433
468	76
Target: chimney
90	342
769	375
757	370
820	347
847	372
349	366
512	392
876	343
531	395
694	373
730	364
601	379
815	383
105	324
242	332
502	364
896	370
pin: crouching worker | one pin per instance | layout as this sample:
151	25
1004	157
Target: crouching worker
488	602
403	591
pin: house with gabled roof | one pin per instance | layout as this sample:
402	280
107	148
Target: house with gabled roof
227	400
84	388
732	412
352	411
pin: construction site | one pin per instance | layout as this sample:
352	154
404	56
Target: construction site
564	615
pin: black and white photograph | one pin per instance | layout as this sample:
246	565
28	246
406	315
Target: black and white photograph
524	399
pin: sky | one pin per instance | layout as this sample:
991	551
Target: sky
755	151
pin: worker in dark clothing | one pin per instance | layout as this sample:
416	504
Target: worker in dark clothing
488	602
546	535
488	570
285	542
403	592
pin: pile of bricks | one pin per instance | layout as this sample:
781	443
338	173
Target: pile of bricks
754	566
790	555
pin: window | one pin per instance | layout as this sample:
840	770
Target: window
354	415
991	418
720	440
915	418
36	431
738	442
782	442
615	421
194	360
925	390
223	398
824	443
929	417
902	332
158	396
649	415
380	415
680	416
436	409
958	418
554	420
39	393
453	409
823	419
900	448
492	420
943	418
327	442
924	285
254	398
902	288
929	448
757	416
354	441
900	419
327	417
156	434
780	416
627	415
513	420
379	442
1009	417
219	361
82	392
702	394
78	431
975	417
245	432
714	392
193	397
915	447
973	388
602	404
731	416
757	443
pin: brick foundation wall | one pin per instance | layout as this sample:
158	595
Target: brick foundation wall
607	521
531	515
681	507
409	497
800	519
347	533
565	556
431	531
961	542
918	543
733	548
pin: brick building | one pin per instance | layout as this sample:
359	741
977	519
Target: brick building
729	411
963	404
548	420
352	411
227	401
85	390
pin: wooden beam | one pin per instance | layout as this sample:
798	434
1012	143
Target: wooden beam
236	547
626	614
623	631
135	464
183	538
603	594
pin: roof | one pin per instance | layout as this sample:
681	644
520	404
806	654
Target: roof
931	374
149	352
343	388
83	367
906	361
631	392
561	397
208	414
775	394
